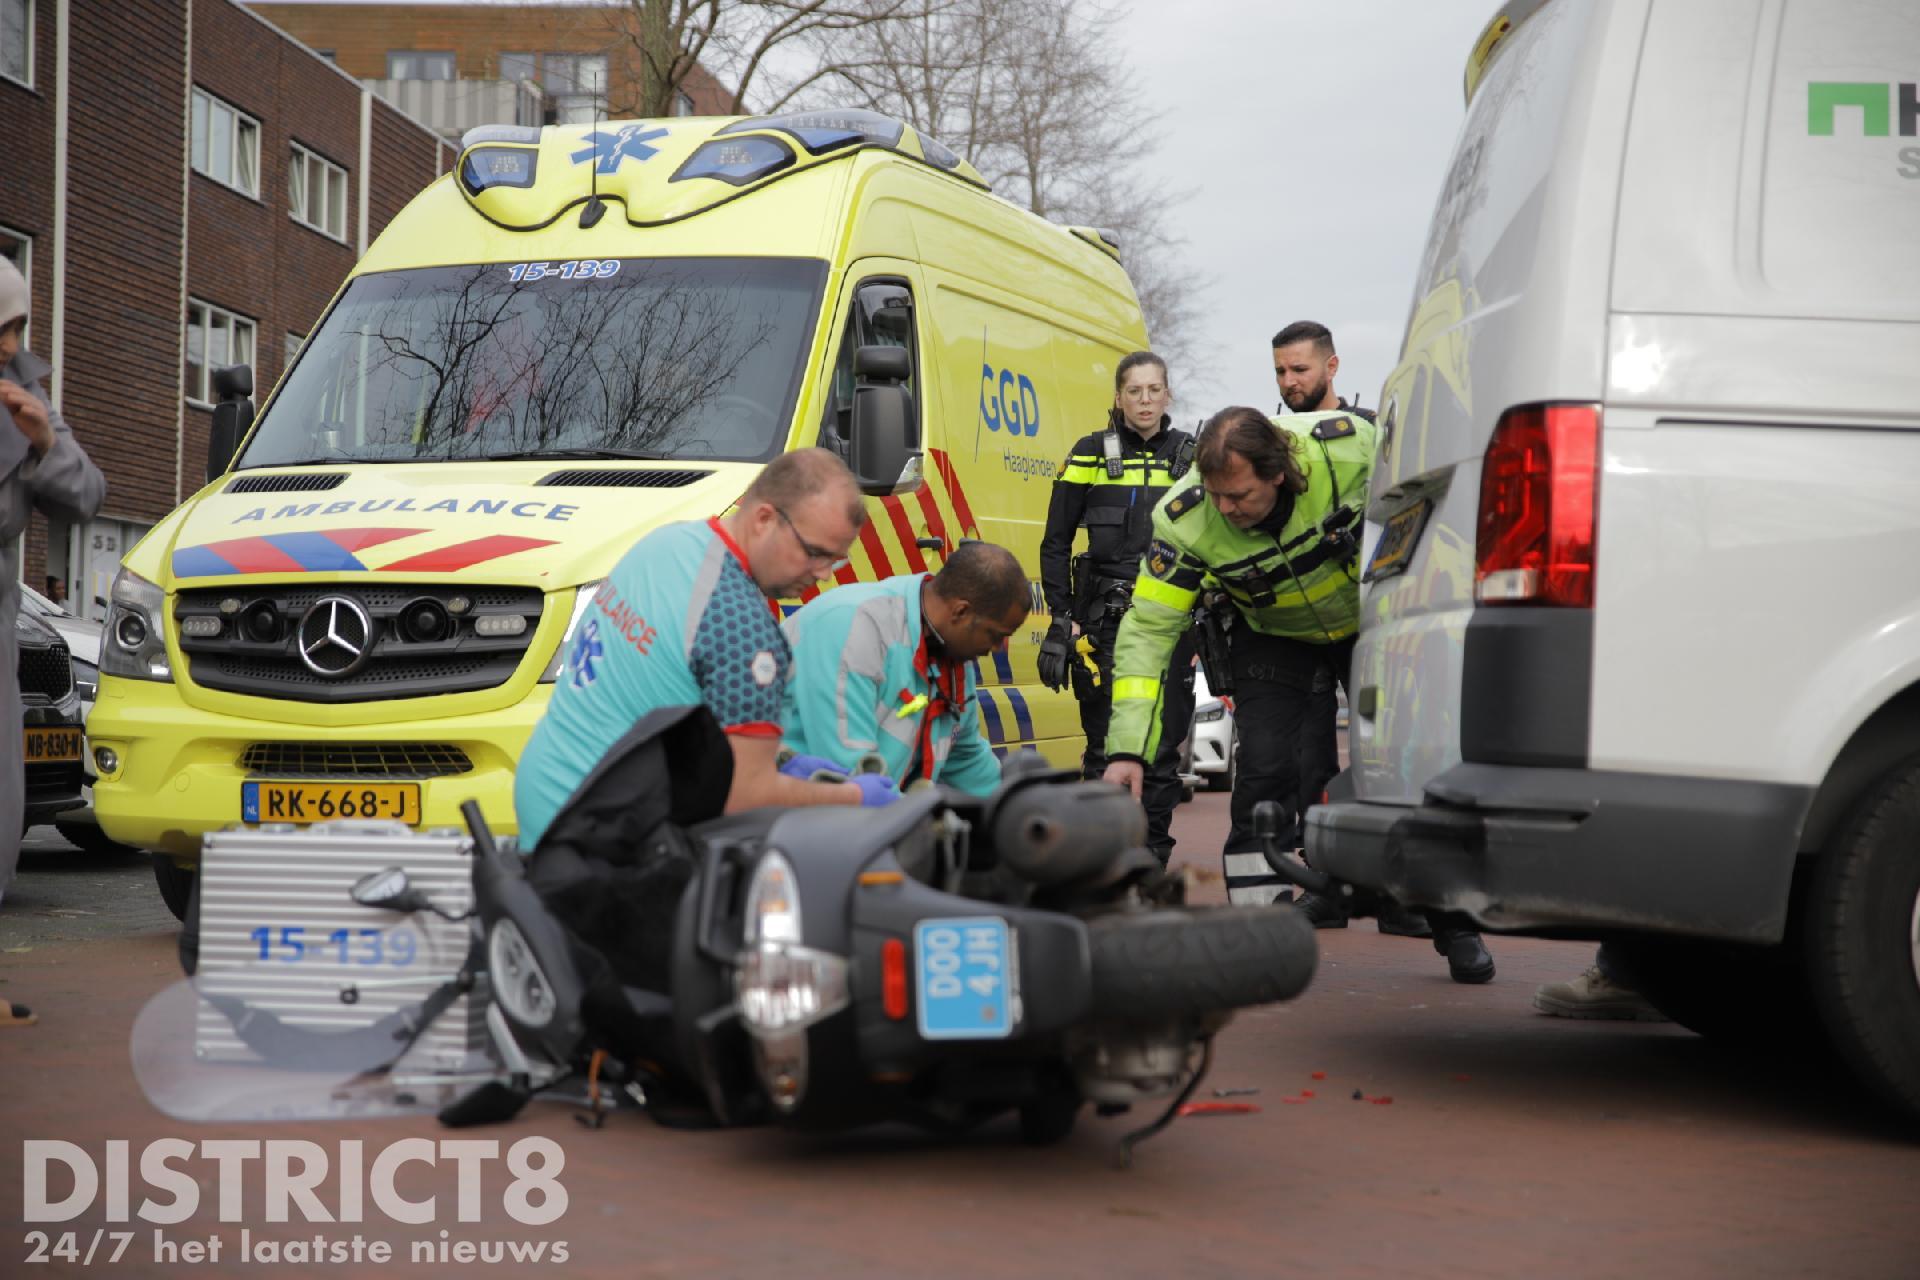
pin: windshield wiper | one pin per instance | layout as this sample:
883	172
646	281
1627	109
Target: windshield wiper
523	455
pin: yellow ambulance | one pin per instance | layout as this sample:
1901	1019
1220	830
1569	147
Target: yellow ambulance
583	332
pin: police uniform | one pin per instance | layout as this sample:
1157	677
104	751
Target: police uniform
868	680
679	621
1294	582
1110	484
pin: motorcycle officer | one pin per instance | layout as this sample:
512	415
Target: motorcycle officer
1110	484
1275	522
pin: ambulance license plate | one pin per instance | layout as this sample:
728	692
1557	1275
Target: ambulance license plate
52	746
302	802
967	978
1394	552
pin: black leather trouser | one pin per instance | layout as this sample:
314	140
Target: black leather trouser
1161	791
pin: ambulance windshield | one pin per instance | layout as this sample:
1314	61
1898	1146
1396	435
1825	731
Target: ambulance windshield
634	357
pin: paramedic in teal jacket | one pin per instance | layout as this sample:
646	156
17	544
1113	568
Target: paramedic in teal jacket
685	618
887	668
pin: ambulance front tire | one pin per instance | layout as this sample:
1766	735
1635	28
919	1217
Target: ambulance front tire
176	884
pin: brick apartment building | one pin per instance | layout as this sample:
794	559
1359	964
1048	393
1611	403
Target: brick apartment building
184	187
439	60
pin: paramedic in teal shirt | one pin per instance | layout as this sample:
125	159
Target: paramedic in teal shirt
685	618
886	668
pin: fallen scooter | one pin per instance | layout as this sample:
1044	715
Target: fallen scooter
943	961
940	962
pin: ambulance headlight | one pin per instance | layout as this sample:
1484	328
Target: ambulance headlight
582	601
781	987
135	640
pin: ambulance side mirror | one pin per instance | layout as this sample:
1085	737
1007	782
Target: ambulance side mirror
232	415
882	450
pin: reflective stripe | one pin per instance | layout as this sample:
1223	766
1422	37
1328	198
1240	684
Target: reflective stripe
1083	475
1136	688
1178	599
1316	591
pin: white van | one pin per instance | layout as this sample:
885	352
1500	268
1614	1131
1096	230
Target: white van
1640	657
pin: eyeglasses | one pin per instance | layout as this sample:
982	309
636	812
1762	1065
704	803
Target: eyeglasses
815	555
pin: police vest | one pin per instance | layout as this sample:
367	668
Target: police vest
1125	481
1303	583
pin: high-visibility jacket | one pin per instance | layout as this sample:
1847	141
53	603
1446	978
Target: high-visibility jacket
1115	503
1302	583
865	682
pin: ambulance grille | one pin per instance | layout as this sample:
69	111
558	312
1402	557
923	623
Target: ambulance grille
265	660
592	479
408	761
46	674
287	482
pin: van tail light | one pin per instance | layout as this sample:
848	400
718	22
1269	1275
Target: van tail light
1537	507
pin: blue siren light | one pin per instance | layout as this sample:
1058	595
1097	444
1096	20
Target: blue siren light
736	161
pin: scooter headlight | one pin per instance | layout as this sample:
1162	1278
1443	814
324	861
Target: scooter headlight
518	982
781	987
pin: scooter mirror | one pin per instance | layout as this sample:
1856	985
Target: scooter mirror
387	890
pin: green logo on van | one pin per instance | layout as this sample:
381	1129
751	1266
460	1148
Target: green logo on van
1874	100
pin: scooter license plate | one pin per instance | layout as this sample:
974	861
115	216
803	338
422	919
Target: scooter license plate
968	978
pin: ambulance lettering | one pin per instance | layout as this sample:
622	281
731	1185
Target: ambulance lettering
527	510
1009	399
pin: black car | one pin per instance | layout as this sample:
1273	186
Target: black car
50	707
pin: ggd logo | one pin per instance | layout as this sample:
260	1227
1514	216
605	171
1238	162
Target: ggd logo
1009	399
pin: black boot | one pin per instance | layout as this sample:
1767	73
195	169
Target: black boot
1468	959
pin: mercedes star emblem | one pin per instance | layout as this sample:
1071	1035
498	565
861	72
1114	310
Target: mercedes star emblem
335	637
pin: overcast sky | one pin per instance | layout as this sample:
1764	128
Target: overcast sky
1317	134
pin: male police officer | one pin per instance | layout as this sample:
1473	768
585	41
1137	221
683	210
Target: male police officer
1276	522
1110	484
683	619
886	669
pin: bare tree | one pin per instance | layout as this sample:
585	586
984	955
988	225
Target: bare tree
1035	94
735	39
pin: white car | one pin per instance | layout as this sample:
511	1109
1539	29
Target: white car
1213	747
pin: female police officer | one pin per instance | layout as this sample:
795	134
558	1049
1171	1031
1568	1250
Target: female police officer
1112	480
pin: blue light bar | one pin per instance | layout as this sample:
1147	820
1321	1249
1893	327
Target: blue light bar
823	131
485	167
736	161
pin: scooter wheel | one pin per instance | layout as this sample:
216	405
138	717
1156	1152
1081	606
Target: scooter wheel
1160	964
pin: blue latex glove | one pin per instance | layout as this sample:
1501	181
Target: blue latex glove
804	767
876	789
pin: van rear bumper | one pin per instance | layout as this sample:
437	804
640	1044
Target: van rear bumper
1577	851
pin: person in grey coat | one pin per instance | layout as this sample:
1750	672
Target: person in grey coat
42	468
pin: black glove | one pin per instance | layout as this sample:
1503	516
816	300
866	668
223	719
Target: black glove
1056	651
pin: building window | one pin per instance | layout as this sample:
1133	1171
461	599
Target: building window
216	338
295	341
516	66
317	193
225	143
16	40
682	104
412	64
577	83
17	247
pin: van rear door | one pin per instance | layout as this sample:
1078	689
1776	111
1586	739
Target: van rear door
1509	312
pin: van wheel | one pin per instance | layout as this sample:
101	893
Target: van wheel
1863	939
176	884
